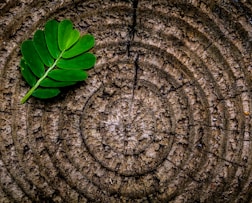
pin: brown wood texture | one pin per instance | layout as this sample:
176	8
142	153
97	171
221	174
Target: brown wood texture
165	115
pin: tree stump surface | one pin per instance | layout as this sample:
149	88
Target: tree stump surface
164	116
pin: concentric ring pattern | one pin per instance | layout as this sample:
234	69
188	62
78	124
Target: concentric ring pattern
165	115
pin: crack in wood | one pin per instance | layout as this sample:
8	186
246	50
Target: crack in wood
135	75
132	27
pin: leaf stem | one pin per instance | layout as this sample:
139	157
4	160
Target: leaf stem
29	93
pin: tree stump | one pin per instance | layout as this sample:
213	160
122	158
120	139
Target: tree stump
165	115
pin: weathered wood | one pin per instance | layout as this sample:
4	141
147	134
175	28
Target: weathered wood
165	115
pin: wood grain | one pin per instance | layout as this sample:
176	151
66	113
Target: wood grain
165	115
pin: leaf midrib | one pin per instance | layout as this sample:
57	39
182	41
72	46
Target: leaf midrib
29	93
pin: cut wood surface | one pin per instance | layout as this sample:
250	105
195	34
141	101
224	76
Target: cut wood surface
164	116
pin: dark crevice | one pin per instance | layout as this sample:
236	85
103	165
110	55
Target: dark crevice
148	199
132	32
134	21
132	27
135	75
134	85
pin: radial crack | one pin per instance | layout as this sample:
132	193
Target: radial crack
132	27
135	75
134	85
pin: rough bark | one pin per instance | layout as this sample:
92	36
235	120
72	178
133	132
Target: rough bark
165	115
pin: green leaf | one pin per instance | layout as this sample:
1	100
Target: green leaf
32	58
27	74
45	93
83	61
40	46
68	75
84	44
67	36
51	36
43	66
47	82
